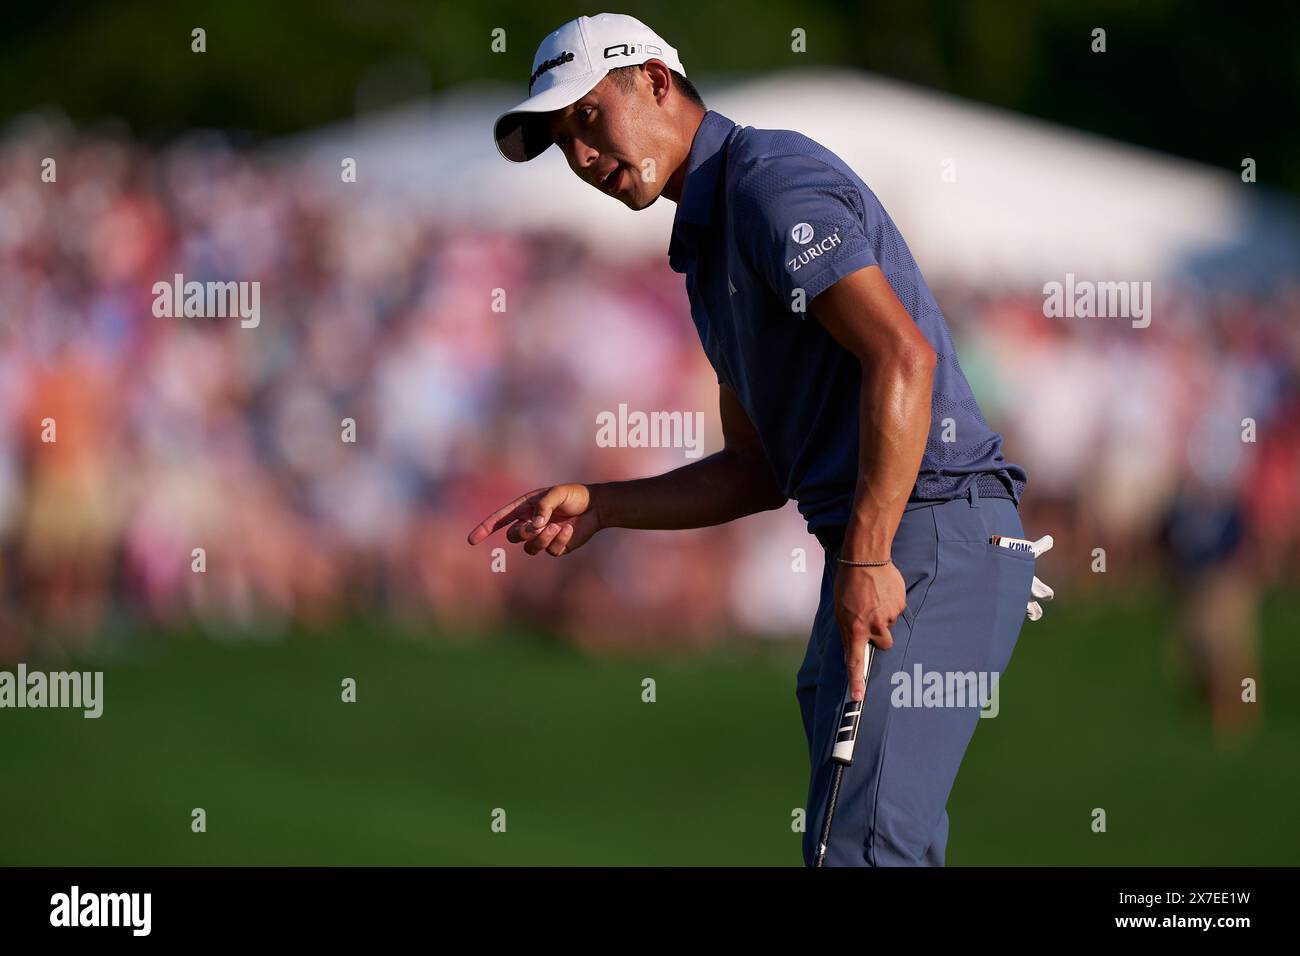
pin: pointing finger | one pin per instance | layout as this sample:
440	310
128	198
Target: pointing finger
519	508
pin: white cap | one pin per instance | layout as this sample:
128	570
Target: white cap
568	64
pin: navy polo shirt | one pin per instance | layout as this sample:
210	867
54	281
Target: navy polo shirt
769	219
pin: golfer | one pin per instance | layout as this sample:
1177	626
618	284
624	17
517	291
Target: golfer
838	386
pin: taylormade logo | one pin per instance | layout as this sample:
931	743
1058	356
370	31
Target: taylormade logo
102	909
82	690
550	64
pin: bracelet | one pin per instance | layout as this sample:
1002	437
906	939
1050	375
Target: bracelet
865	564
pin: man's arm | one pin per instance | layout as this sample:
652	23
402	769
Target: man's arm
729	484
862	313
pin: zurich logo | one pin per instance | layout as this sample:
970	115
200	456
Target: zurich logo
802	233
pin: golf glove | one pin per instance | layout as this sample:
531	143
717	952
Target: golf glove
1038	590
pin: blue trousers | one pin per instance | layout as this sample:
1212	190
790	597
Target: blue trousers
965	605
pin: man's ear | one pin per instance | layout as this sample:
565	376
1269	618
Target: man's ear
661	79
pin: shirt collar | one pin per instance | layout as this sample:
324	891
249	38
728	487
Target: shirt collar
703	168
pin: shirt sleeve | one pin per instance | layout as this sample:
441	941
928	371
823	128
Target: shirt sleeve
799	223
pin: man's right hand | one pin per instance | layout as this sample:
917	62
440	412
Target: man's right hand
559	519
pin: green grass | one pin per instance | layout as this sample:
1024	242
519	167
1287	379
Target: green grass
445	732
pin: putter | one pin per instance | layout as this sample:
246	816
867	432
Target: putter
842	752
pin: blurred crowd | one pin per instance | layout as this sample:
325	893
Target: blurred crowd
176	434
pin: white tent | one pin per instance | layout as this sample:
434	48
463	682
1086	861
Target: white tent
979	193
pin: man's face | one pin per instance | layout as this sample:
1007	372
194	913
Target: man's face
617	140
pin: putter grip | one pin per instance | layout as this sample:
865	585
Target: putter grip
850	717
847	735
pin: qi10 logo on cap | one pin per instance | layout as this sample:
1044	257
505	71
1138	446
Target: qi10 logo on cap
629	49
